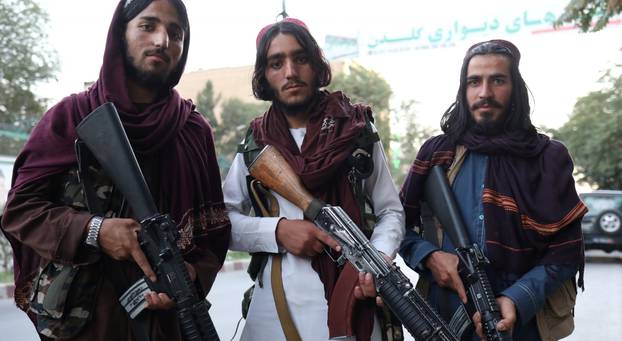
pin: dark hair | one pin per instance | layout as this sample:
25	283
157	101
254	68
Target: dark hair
133	8
321	67
457	119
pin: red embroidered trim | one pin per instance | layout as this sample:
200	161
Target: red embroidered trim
507	203
578	240
547	229
509	247
209	218
422	167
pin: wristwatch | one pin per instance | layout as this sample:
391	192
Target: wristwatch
92	235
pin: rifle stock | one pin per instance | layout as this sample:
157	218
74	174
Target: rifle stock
274	172
102	132
441	201
393	286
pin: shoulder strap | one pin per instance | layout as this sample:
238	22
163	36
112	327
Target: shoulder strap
280	301
368	137
266	205
248	147
361	164
263	202
431	232
460	156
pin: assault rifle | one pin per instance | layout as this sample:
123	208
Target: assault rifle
102	132
441	201
393	286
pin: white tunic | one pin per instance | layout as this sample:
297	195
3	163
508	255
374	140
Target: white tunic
303	288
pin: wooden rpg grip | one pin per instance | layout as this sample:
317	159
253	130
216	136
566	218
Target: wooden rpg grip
275	173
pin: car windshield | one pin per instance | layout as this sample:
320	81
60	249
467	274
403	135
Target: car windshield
600	203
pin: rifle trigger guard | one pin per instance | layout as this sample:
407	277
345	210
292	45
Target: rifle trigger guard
341	260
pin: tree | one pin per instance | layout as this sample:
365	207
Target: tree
206	102
583	12
367	86
409	140
593	133
236	116
25	60
6	255
230	127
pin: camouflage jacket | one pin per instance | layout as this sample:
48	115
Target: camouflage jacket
63	295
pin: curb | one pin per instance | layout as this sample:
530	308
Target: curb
7	290
235	265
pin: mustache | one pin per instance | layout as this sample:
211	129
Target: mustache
159	52
292	83
486	102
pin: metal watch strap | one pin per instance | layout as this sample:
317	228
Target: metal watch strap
92	235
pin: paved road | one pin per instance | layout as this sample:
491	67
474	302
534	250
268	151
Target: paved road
14	325
598	311
226	299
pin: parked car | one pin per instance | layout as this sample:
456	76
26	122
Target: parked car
602	225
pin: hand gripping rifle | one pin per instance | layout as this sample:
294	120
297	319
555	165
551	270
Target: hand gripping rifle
103	134
393	286
441	201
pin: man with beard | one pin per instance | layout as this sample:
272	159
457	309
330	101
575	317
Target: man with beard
310	297
516	194
75	253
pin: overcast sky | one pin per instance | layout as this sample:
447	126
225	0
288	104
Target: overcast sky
558	66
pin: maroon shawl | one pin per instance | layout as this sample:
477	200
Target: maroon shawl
531	208
321	165
169	128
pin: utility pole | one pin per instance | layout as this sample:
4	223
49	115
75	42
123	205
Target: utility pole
283	14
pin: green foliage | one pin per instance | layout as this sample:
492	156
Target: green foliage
6	257
583	12
206	102
235	117
230	129
367	86
25	60
237	255
6	277
593	135
409	141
